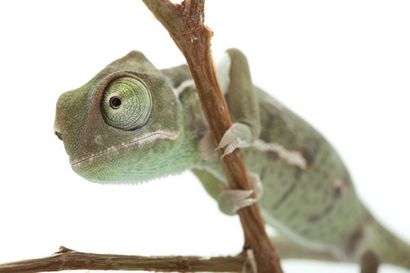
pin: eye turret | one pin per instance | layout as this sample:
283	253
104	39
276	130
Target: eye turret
126	103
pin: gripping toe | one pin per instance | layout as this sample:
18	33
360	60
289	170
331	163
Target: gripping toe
238	135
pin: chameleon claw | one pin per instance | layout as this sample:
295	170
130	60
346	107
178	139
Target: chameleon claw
237	136
230	201
256	184
228	149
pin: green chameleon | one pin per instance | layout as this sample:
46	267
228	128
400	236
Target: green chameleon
133	122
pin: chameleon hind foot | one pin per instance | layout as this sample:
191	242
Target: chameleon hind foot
239	135
230	201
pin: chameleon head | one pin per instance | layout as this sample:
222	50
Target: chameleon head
119	122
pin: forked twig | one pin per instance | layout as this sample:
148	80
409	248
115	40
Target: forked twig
185	24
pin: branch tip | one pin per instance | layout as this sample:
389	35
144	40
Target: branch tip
63	249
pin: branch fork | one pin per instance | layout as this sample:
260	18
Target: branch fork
183	21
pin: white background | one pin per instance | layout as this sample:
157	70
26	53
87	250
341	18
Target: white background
343	65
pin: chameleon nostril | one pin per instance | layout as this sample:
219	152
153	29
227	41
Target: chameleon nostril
59	135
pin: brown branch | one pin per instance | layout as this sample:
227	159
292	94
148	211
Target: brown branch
67	259
185	24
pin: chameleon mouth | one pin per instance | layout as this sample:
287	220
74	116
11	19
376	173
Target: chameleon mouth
141	140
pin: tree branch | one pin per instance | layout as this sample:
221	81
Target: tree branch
67	259
185	23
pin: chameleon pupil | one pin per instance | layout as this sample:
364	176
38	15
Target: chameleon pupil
115	102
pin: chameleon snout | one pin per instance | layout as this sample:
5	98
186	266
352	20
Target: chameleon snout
58	133
69	120
57	129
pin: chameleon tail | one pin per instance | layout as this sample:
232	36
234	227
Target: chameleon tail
387	246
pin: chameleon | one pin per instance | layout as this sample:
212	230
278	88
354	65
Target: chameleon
133	122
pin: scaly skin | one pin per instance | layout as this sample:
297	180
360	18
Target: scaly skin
308	193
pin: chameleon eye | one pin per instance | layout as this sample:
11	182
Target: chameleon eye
115	102
126	103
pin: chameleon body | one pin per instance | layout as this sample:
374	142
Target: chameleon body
133	122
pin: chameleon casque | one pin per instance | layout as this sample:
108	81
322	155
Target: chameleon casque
133	122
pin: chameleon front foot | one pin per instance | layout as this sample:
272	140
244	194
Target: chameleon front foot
230	201
206	148
239	135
